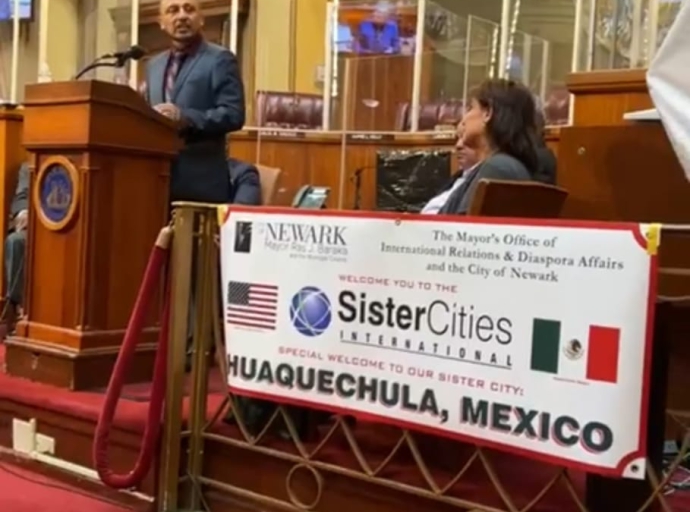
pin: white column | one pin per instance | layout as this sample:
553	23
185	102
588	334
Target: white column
43	24
505	33
418	63
591	34
577	36
468	58
545	69
526	59
15	54
653	25
234	23
328	67
134	39
635	44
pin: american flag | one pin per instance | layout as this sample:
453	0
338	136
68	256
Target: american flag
252	305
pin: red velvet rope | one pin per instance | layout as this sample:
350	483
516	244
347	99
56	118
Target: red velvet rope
148	287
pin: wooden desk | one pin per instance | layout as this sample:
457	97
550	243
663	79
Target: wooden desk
331	158
602	97
328	159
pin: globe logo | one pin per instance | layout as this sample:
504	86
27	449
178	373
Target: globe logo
310	311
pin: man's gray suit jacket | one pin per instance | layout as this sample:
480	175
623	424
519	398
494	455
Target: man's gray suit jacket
245	182
210	95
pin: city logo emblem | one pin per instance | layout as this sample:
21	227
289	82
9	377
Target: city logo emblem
56	195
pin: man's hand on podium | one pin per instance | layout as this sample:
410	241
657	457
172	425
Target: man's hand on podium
168	110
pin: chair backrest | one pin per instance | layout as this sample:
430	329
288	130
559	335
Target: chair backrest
299	111
432	114
526	199
269	177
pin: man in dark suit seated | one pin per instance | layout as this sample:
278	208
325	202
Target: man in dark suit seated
381	33
245	183
467	161
245	187
15	246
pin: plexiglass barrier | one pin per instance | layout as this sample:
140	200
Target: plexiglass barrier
462	43
399	59
620	34
105	29
18	43
347	156
6	60
410	67
52	41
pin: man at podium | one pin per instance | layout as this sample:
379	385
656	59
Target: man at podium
196	84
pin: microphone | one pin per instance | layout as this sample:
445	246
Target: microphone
135	52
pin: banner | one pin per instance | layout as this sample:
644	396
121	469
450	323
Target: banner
529	338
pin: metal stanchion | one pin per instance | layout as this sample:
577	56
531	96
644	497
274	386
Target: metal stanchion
201	344
180	287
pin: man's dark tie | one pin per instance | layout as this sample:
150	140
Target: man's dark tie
173	70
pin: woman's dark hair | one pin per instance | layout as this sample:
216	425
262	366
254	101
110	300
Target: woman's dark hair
512	128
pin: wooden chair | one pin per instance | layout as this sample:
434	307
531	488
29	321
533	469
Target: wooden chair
269	177
526	199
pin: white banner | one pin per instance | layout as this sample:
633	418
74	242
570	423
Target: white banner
529	338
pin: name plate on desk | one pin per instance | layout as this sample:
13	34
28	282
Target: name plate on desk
530	337
285	134
444	136
370	137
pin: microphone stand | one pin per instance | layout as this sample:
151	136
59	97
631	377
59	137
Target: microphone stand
98	63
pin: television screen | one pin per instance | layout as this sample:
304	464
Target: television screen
7	9
378	28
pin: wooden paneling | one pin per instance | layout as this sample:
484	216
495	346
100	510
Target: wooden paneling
602	97
375	87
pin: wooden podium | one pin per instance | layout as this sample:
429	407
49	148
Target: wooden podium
100	160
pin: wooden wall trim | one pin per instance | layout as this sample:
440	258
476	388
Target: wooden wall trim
596	82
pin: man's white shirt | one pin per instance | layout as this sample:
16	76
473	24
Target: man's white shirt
437	202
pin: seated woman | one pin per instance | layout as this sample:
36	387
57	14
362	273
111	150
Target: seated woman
500	126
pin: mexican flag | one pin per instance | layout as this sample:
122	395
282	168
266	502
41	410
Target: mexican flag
551	351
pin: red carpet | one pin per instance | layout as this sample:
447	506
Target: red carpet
23	491
523	479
